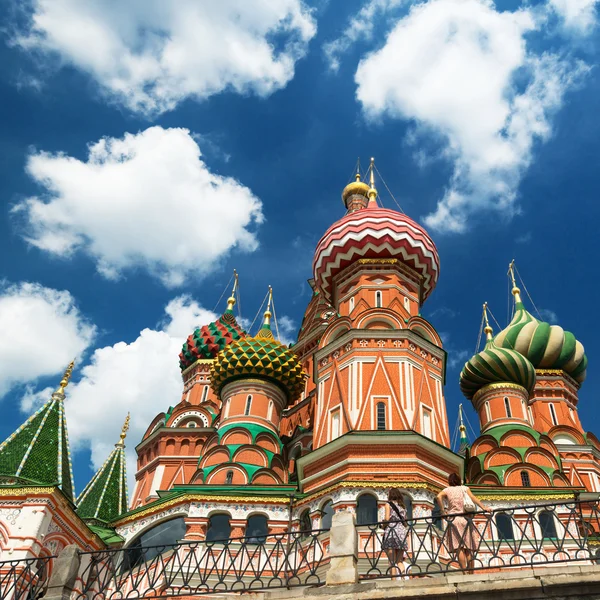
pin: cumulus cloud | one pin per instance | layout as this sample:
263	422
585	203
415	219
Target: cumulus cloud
146	200
287	330
151	55
140	376
580	16
462	69
42	332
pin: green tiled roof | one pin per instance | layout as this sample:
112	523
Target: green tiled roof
38	451
105	496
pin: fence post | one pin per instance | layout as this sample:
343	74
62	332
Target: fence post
64	574
343	550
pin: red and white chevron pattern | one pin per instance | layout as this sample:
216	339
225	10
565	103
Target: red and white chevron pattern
375	233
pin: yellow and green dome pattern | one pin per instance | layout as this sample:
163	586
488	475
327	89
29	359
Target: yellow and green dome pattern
262	357
546	346
496	365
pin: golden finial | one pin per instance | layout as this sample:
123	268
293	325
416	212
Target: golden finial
267	320
64	382
487	329
231	299
516	292
461	426
372	189
124	431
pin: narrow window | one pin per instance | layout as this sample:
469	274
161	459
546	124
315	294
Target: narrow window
335	424
381	415
407	303
270	412
305	522
326	515
351	304
226	411
248	405
378	299
488	413
547	524
524	409
530	412
366	510
504	527
229	478
553	414
204	394
507	406
437	517
525	481
427	423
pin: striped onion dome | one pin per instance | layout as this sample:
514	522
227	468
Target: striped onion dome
546	346
496	365
261	357
207	341
374	232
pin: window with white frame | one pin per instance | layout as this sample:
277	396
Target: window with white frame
335	424
204	394
507	407
351	304
406	303
427	431
488	413
378	302
552	414
270	411
381	408
248	406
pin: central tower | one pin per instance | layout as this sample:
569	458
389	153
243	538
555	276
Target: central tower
380	413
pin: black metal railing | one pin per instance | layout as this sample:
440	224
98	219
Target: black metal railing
236	565
503	538
24	579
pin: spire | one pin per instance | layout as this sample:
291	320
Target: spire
265	330
64	382
231	299
38	451
516	292
372	189
105	496
463	449
487	329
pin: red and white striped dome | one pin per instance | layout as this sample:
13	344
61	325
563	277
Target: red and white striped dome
375	233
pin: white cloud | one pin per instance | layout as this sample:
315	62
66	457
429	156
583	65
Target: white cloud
578	15
151	55
42	332
146	200
461	69
141	377
360	28
287	330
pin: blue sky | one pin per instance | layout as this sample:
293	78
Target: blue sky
147	151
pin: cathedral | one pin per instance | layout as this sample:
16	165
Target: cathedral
269	438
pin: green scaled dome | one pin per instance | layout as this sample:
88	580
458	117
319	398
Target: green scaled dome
262	357
496	365
546	346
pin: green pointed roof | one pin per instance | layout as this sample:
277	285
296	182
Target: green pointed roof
38	451
105	496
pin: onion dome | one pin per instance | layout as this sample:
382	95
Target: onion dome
373	232
496	365
546	346
355	188
207	341
261	357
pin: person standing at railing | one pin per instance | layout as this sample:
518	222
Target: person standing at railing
394	537
460	533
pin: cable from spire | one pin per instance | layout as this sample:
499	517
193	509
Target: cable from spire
64	382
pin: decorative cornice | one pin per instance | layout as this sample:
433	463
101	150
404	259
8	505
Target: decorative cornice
26	491
490	387
524	496
200	362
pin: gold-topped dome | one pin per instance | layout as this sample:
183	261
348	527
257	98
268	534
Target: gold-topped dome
356	187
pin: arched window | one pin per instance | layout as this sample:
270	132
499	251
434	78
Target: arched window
248	405
436	515
381	415
504	527
547	524
553	414
219	528
378	299
366	509
153	542
507	406
488	414
270	410
204	394
351	304
257	529
229	478
525	481
305	522
326	515
406	303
